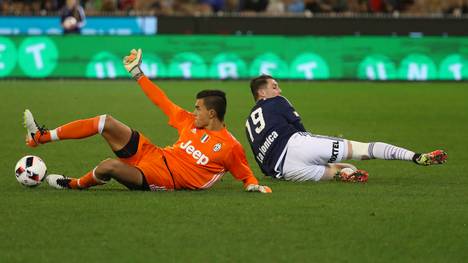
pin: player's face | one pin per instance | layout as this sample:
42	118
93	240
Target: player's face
71	3
271	89
202	114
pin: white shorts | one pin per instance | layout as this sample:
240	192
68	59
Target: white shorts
307	156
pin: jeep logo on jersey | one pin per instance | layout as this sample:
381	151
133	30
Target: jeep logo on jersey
196	154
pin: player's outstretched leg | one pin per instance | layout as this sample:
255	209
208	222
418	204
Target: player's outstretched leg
125	174
59	181
37	134
385	151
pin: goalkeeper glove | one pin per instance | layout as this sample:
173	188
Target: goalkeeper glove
132	63
258	188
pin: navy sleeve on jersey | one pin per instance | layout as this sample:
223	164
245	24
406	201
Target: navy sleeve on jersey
290	113
299	126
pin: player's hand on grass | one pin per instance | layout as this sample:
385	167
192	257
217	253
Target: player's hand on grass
258	188
132	63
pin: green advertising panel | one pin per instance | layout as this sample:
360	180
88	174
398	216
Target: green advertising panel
7	56
238	57
228	66
309	66
37	57
377	67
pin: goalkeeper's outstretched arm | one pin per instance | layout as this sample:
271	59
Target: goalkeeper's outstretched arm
238	166
132	64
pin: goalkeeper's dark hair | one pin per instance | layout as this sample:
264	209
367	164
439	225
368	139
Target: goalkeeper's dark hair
214	100
259	83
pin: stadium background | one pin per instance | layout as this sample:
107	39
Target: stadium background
405	213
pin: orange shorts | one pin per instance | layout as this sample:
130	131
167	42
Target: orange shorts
149	159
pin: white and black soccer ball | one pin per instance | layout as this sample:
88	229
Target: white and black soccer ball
70	22
30	170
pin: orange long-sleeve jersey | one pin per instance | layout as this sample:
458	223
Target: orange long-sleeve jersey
200	157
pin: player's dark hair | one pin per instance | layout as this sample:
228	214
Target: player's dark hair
214	100
258	83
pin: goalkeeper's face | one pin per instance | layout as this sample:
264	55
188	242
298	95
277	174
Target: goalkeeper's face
202	114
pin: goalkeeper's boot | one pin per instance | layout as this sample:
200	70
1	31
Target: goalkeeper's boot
58	181
358	176
434	157
34	131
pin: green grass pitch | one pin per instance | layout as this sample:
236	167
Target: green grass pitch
405	213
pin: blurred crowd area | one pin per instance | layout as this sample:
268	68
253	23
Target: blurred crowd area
241	7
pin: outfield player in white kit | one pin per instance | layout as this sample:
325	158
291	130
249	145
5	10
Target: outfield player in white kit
285	150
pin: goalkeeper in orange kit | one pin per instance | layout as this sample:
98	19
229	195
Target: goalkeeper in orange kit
204	151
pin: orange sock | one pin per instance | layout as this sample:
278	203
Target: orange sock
75	130
43	138
85	181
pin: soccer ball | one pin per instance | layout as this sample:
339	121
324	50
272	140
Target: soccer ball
70	22
30	170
